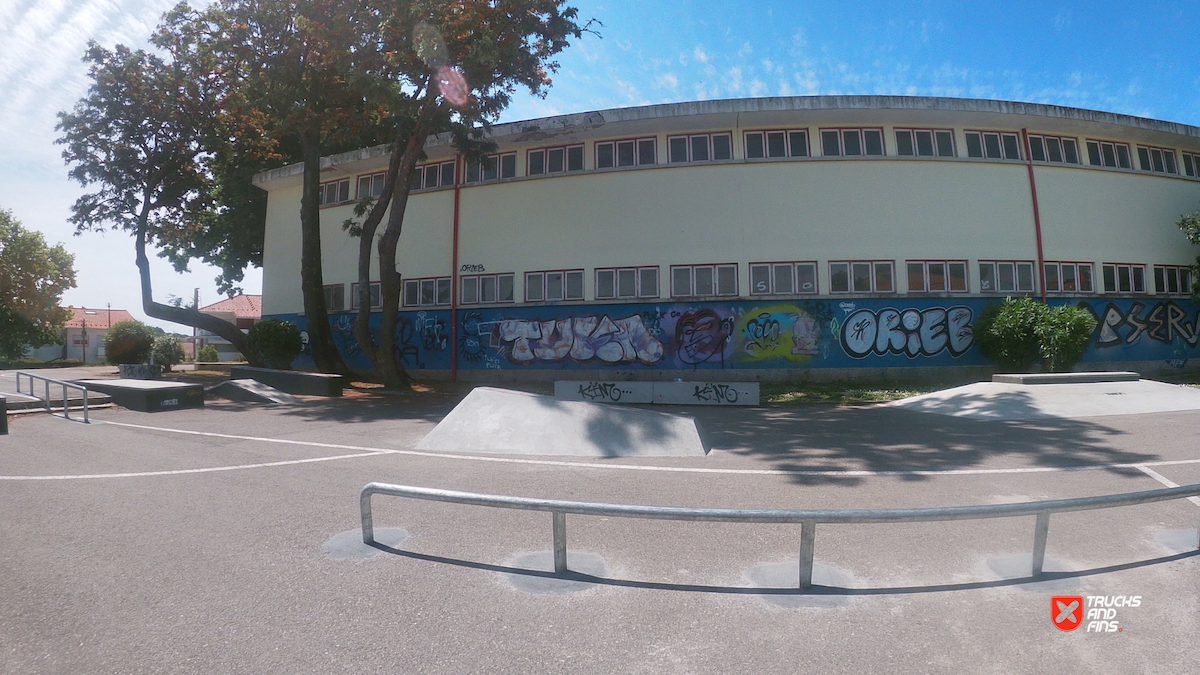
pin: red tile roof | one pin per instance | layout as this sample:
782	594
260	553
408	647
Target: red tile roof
242	306
97	319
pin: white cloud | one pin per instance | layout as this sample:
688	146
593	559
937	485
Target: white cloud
700	55
735	80
746	49
757	87
667	80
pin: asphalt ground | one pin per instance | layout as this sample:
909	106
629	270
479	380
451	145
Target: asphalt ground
129	546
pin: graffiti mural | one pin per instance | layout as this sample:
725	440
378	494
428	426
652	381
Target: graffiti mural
911	332
849	333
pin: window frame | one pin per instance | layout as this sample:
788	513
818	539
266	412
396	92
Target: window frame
841	133
1191	164
478	278
545	152
639	292
1033	276
420	295
1062	149
874	277
787	139
1058	290
715	267
482	179
1000	134
337	291
690	147
325	186
1167	155
422	171
926	288
1183	274
1117	267
637	155
378	295
771	269
371	178
1116	145
912	132
565	298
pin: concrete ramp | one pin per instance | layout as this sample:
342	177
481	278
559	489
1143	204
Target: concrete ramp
252	391
503	421
1004	401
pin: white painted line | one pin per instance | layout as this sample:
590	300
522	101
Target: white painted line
1165	481
366	451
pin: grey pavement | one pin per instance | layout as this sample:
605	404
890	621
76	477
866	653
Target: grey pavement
153	550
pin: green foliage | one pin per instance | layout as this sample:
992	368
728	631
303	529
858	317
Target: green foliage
1064	334
1190	224
129	342
1015	334
277	341
33	277
208	354
1006	333
167	351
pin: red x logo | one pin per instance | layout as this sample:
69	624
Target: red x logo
1066	611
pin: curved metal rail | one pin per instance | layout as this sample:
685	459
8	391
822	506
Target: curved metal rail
47	381
807	519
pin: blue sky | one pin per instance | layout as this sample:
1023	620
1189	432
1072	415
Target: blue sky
1141	59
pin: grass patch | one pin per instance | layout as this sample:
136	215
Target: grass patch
840	393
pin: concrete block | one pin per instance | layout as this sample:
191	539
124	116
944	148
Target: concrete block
603	391
491	420
252	391
1065	378
293	381
149	395
706	393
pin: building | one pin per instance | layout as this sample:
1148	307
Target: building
768	235
83	335
241	310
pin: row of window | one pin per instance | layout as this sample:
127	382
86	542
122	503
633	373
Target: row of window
779	278
776	144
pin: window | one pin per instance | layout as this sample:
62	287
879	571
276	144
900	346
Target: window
626	282
1053	149
553	285
1158	160
925	142
1172	280
993	145
554	160
937	276
427	177
493	167
775	144
371	186
1005	276
627	152
861	276
334	192
851	142
1191	164
1120	278
375	291
335	298
699	148
485	288
427	292
1063	277
1106	153
703	280
783	278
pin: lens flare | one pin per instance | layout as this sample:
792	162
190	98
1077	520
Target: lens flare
453	85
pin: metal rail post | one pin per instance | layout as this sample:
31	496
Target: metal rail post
3	415
560	542
364	506
1040	531
808	540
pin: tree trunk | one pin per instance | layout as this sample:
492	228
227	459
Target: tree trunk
312	284
187	316
366	245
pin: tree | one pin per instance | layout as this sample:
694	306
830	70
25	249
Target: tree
1190	224
294	68
33	277
137	137
452	65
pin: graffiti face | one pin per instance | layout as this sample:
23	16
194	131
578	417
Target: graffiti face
701	336
581	339
910	332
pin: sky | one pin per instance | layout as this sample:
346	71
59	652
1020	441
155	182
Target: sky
1138	59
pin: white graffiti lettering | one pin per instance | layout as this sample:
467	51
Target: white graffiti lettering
910	332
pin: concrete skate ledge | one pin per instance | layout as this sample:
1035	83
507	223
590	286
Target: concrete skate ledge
1066	378
293	381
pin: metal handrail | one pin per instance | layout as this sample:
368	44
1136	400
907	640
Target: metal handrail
807	519
47	381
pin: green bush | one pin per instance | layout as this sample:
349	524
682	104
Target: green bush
128	342
277	341
1015	334
208	354
1007	333
1064	335
167	351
